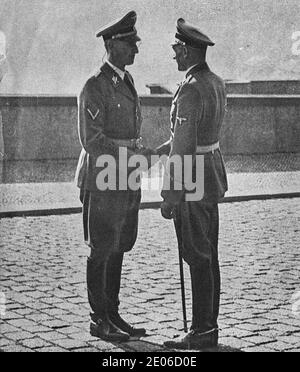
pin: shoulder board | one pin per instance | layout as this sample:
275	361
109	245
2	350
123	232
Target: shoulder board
190	78
186	81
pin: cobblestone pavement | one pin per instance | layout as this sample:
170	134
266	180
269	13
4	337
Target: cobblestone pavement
43	279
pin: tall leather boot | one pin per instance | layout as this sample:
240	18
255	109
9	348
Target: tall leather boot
202	298
113	280
101	326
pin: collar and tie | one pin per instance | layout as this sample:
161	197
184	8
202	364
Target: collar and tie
124	76
129	83
118	71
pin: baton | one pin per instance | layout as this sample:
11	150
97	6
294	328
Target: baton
185	326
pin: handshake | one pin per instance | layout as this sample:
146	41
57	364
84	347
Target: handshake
152	156
167	208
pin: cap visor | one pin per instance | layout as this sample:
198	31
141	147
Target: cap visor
136	38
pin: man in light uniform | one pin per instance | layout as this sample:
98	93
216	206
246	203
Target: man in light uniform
197	114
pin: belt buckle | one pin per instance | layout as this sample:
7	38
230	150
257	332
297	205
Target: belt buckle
139	143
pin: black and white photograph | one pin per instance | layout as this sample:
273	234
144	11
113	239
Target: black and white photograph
149	179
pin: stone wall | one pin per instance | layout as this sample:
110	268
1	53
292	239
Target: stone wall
278	87
45	128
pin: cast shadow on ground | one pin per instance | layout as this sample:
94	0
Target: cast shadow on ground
150	347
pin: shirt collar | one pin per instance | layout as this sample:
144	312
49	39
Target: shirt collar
117	70
196	68
190	69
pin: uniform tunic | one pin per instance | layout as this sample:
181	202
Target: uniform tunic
197	114
109	110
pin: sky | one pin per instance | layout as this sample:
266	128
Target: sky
51	48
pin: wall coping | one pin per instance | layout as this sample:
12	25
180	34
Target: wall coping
162	100
264	99
39	100
276	81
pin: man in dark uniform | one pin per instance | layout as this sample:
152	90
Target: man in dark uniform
109	118
197	114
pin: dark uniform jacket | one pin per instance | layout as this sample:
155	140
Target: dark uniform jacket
197	114
108	109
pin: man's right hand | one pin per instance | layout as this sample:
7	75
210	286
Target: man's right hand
147	153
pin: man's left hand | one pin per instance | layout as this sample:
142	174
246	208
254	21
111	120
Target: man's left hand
167	210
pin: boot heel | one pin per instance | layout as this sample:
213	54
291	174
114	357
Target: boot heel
93	330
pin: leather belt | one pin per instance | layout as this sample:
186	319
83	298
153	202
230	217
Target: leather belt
207	149
134	143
